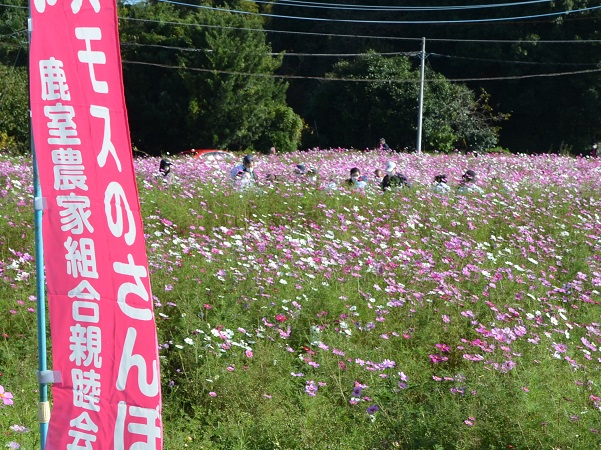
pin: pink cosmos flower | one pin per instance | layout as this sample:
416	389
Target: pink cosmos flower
560	348
6	397
438	358
443	347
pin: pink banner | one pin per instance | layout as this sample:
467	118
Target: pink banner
102	325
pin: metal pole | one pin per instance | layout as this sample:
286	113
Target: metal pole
421	97
43	406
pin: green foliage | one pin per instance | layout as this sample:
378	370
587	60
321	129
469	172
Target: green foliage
453	118
210	100
384	102
14	109
545	110
220	95
13	30
357	113
499	150
283	131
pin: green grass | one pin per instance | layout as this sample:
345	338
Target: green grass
219	260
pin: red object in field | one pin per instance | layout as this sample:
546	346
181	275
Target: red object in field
210	154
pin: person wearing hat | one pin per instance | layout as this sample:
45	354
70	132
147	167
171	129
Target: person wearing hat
440	185
394	179
468	184
307	173
244	171
300	169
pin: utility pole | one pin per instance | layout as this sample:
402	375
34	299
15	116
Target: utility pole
421	97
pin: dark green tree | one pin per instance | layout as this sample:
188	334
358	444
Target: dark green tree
373	96
14	100
13	33
547	112
202	79
14	108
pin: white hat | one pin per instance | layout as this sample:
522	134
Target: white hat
391	166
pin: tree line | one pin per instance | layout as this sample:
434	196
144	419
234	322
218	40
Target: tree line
252	75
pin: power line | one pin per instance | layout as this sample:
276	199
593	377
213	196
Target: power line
342	55
13	44
361	80
339	55
14	33
380	8
360	36
385	22
166	47
534	63
265	30
13	6
205	50
397	38
347	55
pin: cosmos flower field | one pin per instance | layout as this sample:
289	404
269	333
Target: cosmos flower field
302	314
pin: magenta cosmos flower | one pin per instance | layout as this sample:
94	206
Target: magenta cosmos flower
6	397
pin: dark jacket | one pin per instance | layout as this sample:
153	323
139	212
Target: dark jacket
395	181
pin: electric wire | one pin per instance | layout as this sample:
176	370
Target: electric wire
412	54
501	61
361	80
360	36
385	22
352	35
14	33
381	8
347	55
329	55
13	6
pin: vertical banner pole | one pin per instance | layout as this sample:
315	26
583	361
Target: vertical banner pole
43	407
